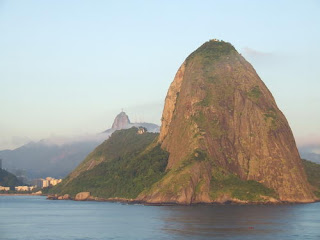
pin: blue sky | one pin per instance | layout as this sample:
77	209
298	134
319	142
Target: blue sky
68	67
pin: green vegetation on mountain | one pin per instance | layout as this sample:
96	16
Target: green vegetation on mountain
254	93
128	169
313	174
8	179
212	51
122	142
224	183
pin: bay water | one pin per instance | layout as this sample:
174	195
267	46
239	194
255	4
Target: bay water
35	218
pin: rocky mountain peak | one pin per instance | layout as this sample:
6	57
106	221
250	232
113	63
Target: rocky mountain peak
218	108
121	121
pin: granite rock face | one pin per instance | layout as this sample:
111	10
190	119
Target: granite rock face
121	121
219	117
82	196
66	197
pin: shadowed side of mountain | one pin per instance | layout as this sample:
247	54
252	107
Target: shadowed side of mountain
8	179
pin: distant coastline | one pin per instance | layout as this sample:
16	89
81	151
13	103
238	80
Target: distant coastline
21	194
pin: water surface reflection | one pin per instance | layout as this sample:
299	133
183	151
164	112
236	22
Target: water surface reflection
243	222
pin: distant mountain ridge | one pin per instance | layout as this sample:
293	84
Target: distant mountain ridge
40	160
8	179
58	157
310	152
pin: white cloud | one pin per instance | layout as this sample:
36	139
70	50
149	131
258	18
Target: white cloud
311	141
255	53
13	142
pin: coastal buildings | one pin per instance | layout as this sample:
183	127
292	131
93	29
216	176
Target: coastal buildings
4	188
18	188
49	181
24	188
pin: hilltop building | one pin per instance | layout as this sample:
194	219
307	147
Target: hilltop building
142	130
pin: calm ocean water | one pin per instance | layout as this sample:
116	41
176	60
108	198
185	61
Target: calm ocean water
34	217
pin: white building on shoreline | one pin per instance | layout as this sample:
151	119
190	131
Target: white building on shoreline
4	188
49	181
24	188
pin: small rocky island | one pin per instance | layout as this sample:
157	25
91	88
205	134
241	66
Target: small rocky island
222	139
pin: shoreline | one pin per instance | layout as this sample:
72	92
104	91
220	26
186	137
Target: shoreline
21	194
134	201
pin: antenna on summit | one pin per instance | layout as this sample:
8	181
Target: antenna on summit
121	109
